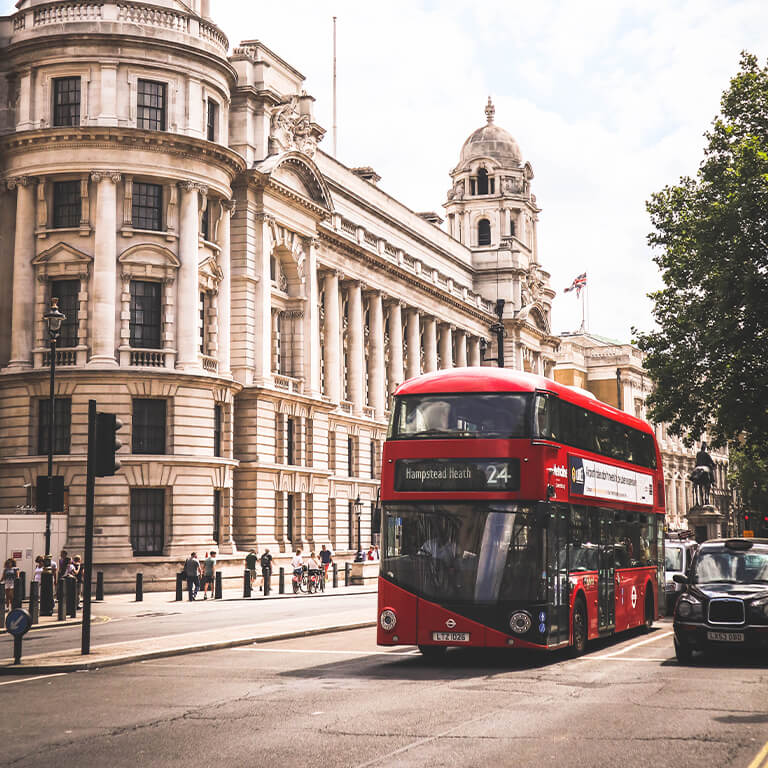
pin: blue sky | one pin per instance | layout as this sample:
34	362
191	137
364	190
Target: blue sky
608	100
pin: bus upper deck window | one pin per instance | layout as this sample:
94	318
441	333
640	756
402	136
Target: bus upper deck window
545	416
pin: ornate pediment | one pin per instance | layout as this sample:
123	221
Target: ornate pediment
62	253
148	260
209	273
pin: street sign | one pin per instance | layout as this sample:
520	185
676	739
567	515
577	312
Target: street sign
18	622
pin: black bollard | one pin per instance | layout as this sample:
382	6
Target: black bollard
219	591
46	593
100	585
246	583
281	582
139	587
60	600
16	593
347	574
179	586
335	575
70	592
23	585
267	578
34	602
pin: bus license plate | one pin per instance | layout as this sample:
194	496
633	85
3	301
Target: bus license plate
451	637
726	637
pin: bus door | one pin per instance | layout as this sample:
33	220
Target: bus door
557	573
606	605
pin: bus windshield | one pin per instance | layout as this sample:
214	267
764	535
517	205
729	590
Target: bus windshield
468	414
477	553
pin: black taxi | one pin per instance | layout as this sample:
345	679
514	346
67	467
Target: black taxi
725	599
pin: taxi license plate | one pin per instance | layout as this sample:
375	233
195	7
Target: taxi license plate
451	637
726	637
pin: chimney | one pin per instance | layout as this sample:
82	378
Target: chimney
431	217
367	173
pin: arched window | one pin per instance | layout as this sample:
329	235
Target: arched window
483	232
482	182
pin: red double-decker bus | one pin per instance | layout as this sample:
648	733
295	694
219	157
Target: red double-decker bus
516	512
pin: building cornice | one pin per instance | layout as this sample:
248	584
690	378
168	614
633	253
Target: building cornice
113	137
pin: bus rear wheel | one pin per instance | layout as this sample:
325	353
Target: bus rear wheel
433	652
579	628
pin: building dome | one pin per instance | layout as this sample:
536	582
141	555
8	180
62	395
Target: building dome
491	141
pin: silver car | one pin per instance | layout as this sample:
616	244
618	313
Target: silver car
678	554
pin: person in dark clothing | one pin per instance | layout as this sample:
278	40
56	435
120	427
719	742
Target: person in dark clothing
192	575
250	564
266	571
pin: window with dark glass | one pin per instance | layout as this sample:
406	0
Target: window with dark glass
147	210
350	456
205	227
290	430
148	426
201	325
211	120
351	524
217	516
373	458
66	204
289	516
151	104
62	428
218	423
145	311
483	232
66	101
66	292
473	186
147	520
482	182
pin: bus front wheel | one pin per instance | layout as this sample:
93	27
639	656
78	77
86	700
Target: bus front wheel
432	652
579	628
648	624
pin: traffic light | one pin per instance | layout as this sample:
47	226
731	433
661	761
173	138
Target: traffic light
106	445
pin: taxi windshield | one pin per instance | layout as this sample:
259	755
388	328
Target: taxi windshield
732	567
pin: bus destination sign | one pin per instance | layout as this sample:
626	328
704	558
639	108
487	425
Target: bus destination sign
593	478
419	475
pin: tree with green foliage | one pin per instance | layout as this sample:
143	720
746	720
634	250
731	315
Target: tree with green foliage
709	356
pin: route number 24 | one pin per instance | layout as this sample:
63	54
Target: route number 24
497	474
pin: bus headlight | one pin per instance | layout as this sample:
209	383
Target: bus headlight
387	619
520	622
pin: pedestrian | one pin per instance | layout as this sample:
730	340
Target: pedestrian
266	571
10	572
61	570
192	575
250	564
77	570
376	554
39	565
326	557
313	569
297	564
49	562
369	556
209	568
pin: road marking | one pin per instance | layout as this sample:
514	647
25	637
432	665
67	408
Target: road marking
632	647
30	679
761	759
310	650
611	658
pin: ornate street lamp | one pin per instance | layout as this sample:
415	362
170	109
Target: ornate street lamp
54	317
358	512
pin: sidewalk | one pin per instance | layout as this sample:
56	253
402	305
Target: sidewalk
125	606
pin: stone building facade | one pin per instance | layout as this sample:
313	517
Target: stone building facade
614	373
243	301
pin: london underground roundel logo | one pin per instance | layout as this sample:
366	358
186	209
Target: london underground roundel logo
450	623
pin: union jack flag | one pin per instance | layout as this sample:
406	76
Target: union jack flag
578	283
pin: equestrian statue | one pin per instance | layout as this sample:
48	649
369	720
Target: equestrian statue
702	477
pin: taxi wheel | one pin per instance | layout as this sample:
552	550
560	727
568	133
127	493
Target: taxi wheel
433	652
579	628
683	653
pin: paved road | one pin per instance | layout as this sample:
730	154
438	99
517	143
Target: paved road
124	620
338	700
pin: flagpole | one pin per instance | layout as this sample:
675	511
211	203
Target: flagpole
583	312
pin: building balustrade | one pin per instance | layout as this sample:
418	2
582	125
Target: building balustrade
288	383
57	13
369	412
345	406
64	356
210	364
147	358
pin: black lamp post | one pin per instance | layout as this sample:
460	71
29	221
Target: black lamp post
358	511
54	317
497	329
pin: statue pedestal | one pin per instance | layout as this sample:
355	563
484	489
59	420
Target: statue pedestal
706	522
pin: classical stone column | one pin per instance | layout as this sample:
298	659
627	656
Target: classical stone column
446	346
225	288
332	336
105	270
262	315
311	323
430	344
376	396
414	344
395	374
355	346
188	286
23	306
461	348
474	351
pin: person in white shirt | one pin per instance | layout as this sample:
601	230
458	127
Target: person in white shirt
312	564
297	563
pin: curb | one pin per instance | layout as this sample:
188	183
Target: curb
114	661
